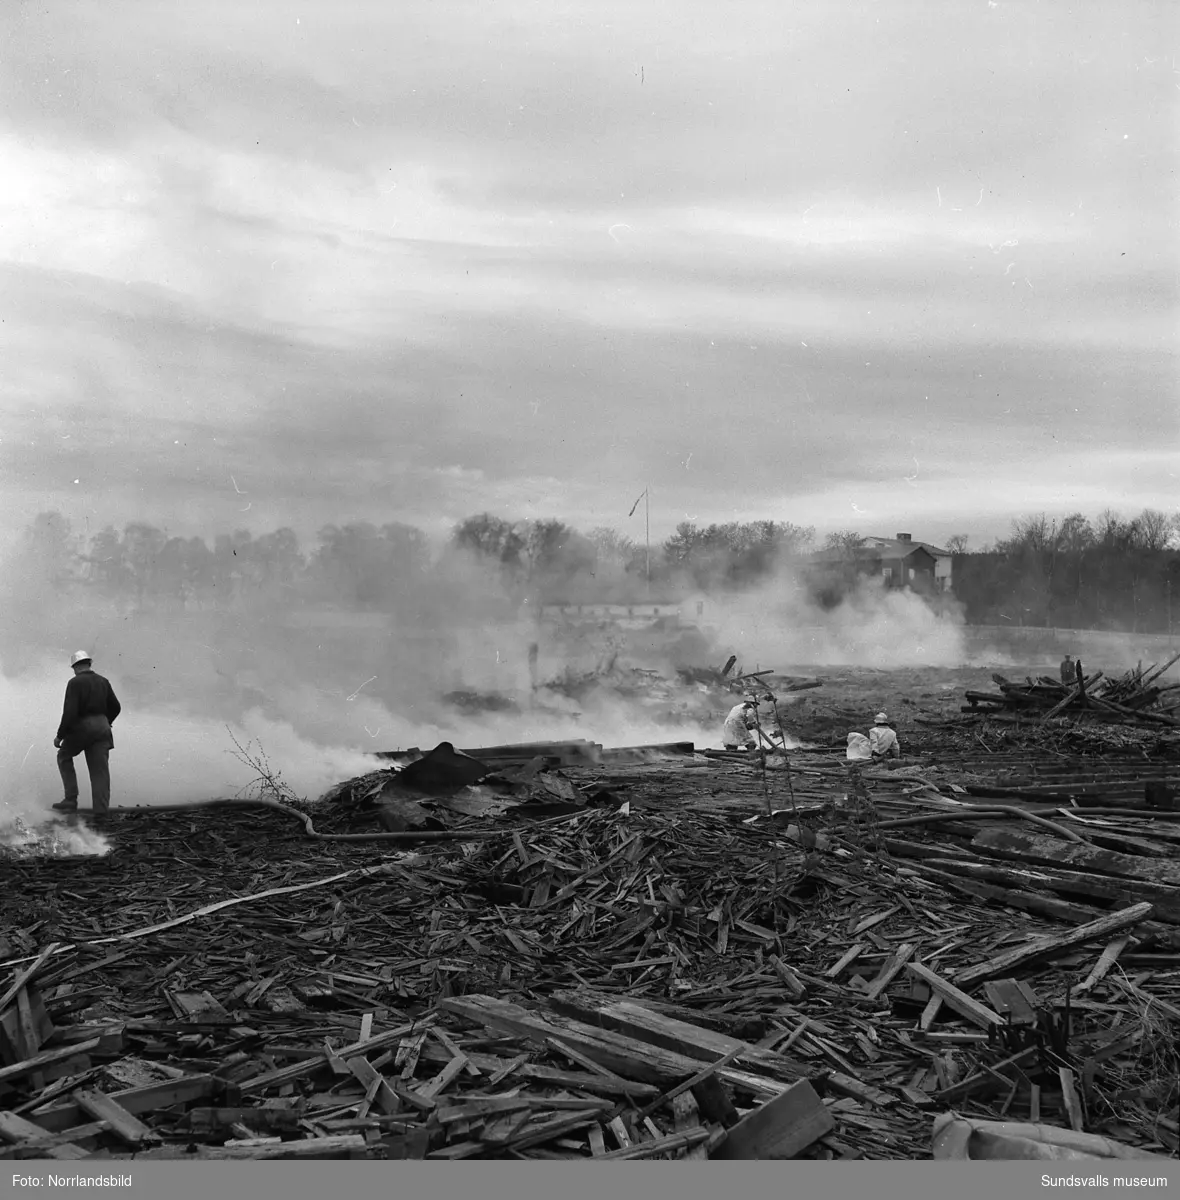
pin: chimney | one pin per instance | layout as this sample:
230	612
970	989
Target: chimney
905	537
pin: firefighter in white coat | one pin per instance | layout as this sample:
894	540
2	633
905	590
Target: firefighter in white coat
736	731
882	740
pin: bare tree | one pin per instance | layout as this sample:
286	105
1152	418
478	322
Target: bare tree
957	543
1035	532
1110	529
847	541
1154	529
1074	534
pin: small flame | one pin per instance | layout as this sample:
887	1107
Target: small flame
54	839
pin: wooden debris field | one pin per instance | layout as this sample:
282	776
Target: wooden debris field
712	959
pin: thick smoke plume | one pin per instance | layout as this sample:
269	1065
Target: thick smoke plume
780	623
318	687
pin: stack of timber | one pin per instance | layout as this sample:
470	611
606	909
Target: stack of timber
1137	696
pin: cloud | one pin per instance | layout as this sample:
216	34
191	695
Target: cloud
434	260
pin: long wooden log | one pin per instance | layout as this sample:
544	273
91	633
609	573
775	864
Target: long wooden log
60	1116
1042	949
1049	851
625	1056
1042	905
1163	899
1156	672
46	1057
1075	694
1032	902
634	1019
1144	716
340	1145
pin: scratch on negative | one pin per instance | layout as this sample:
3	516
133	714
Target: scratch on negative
363	685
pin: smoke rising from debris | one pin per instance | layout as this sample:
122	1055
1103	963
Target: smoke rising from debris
780	625
364	645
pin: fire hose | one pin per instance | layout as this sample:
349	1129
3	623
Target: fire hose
430	835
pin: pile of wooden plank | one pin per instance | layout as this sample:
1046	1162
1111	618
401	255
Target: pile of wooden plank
651	979
1136	696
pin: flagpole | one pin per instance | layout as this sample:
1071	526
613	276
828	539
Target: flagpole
646	498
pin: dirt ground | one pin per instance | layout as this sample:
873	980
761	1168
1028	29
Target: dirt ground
851	696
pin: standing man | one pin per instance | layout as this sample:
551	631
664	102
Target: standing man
89	712
1067	671
736	730
882	740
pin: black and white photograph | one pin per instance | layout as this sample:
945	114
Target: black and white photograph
589	581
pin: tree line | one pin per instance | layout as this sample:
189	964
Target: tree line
1106	573
363	566
1110	573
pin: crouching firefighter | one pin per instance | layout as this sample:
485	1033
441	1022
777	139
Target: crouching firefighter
736	731
882	739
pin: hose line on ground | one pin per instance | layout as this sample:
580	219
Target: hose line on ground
430	835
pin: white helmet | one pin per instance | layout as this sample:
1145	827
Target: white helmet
882	718
80	656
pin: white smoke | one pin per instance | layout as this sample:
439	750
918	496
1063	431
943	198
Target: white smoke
56	838
778	625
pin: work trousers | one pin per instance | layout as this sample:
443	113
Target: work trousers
98	766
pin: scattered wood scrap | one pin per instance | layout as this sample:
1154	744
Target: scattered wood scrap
669	973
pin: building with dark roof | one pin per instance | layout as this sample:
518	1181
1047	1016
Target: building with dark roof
897	548
899	562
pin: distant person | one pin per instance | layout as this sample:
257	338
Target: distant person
882	740
1068	675
736	731
860	749
89	712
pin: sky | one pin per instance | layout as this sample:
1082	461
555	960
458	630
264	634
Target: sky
890	266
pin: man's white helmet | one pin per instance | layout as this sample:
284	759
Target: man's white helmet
80	656
881	718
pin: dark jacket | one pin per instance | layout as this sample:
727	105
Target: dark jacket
90	709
